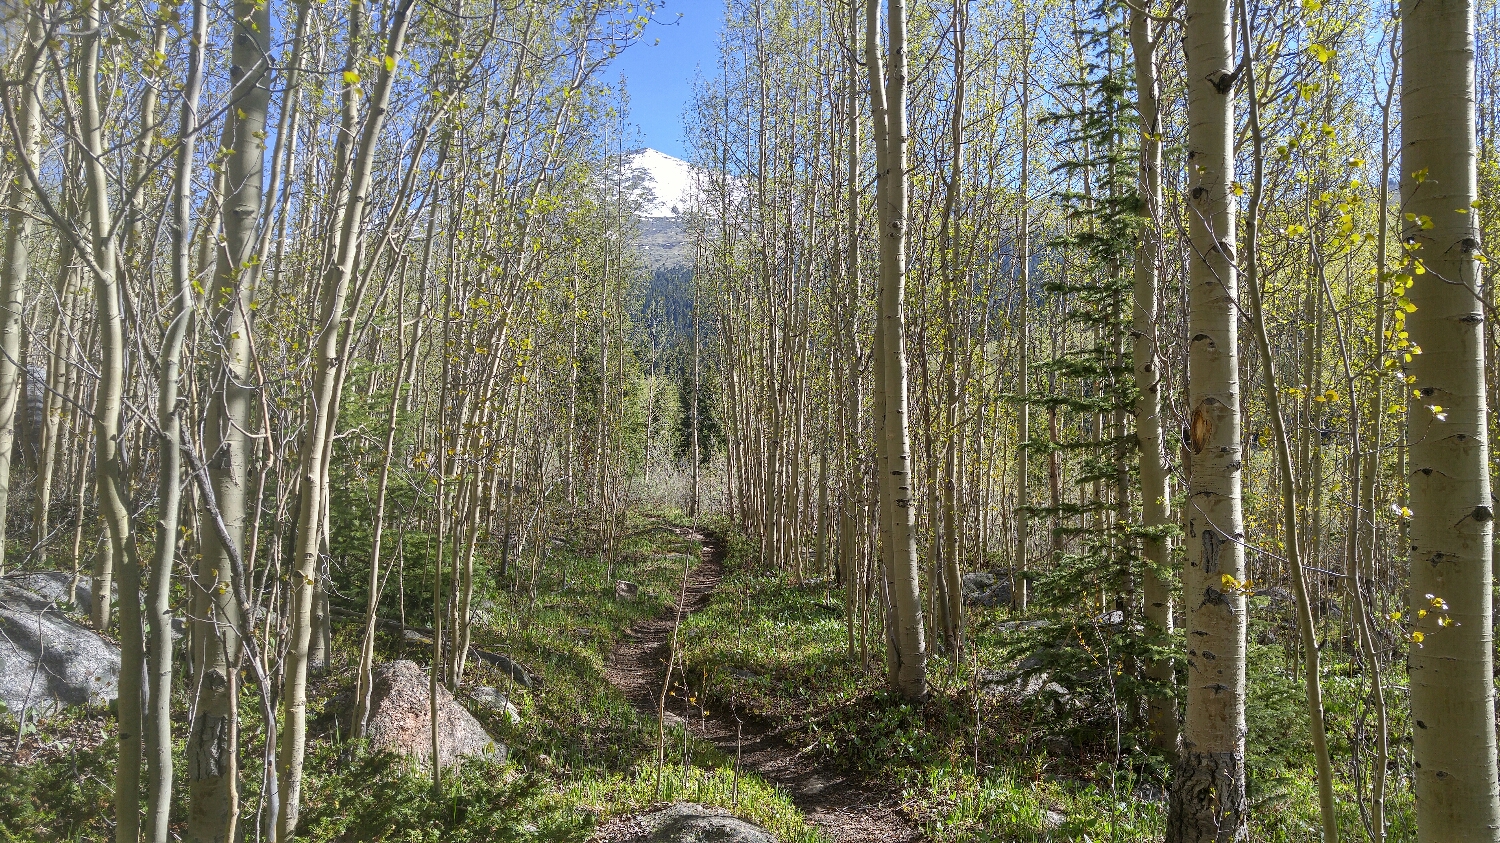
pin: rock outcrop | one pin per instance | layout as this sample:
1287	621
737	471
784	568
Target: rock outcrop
401	719
54	585
689	822
983	588
47	660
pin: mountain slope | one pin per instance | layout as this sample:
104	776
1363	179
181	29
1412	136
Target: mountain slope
664	185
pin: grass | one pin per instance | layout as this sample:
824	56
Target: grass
769	650
580	755
764	650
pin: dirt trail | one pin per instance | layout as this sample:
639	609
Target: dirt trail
846	809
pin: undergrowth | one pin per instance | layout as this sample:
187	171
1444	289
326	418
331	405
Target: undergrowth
580	754
1050	767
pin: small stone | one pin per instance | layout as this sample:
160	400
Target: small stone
1058	746
496	699
626	591
688	822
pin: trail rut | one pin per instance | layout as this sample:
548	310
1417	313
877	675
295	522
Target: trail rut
846	808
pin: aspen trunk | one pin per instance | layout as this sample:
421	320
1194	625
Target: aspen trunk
889	112
327	369
850	521
169	479
1021	560
213	771
1156	514
119	556
1452	522
1296	541
16	260
1208	800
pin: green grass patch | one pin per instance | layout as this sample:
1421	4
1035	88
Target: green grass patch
580	755
1048	771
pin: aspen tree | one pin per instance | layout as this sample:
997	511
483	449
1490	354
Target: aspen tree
1361	565
213	768
27	106
1155	494
951	578
1021	561
118	557
1452	522
1296	542
169	444
849	522
1208	800
327	371
909	677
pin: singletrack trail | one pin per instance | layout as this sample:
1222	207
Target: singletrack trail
846	809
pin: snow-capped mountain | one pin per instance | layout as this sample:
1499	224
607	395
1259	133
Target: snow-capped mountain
664	185
669	179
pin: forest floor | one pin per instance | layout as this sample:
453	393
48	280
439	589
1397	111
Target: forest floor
763	672
846	808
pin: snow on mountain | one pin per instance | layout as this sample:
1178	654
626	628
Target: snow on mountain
669	179
664	185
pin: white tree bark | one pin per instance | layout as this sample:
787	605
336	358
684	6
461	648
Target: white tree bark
1452	522
909	674
1208	791
16	259
314	482
169	444
1156	511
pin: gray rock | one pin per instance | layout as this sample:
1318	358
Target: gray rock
401	720
496	699
688	822
1277	594
977	581
1023	686
1057	691
53	585
982	588
47	661
993	597
626	591
1018	686
1012	626
1114	618
527	679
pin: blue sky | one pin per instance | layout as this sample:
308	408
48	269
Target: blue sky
659	69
